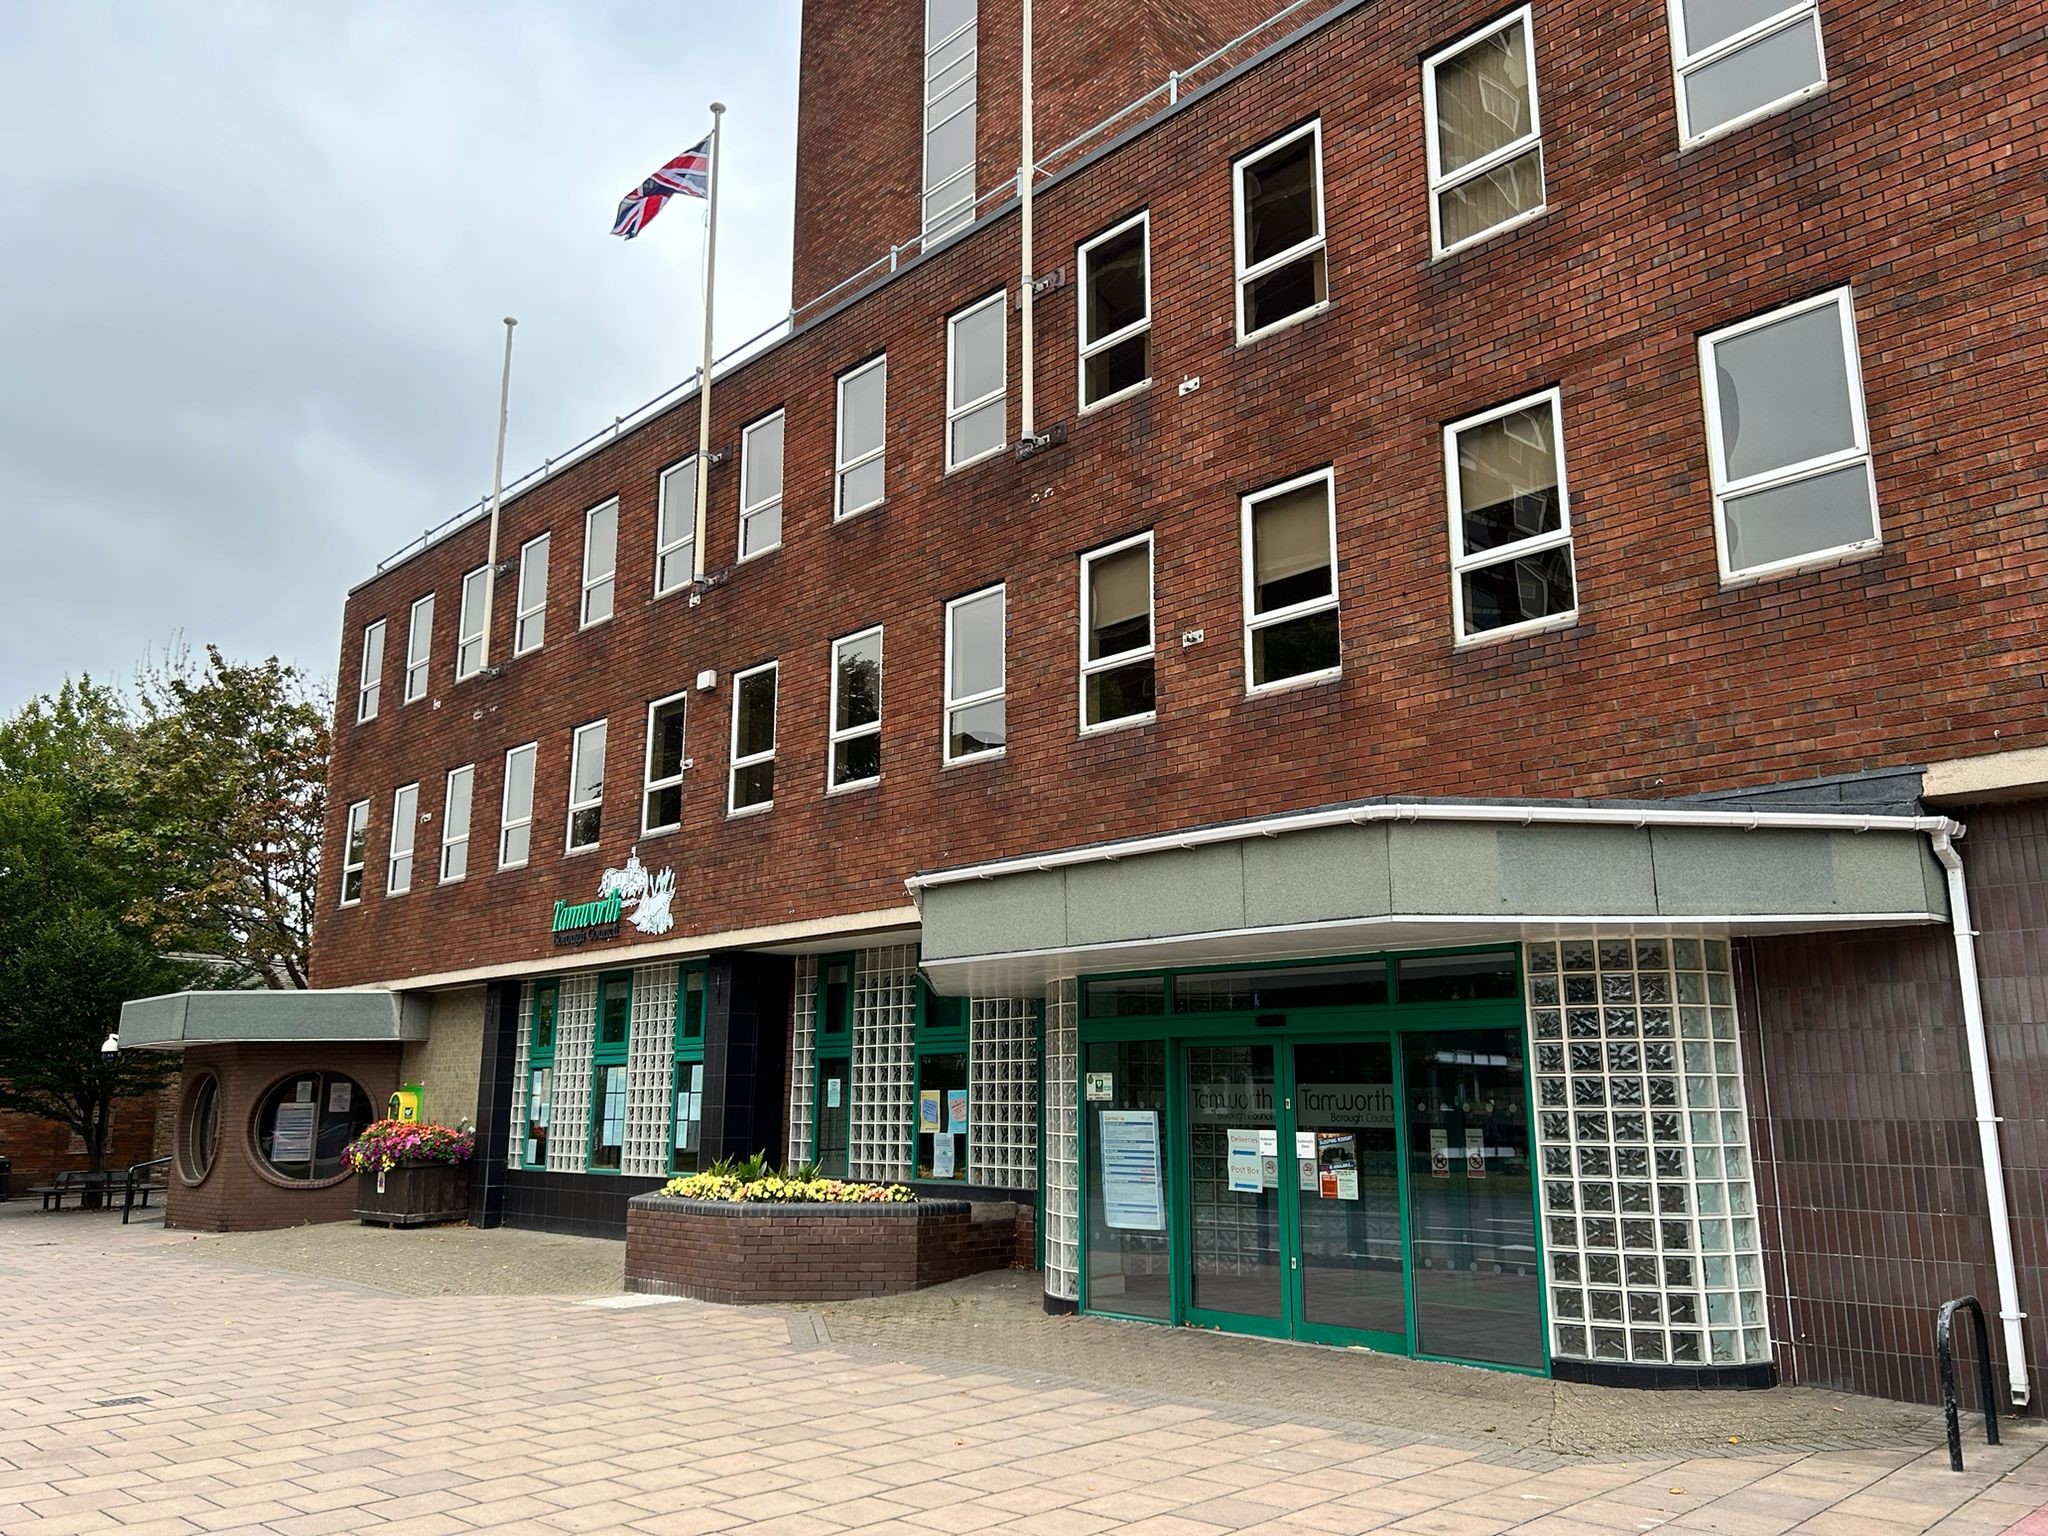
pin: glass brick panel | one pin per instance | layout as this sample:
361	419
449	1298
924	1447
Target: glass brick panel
1062	1142
803	1062
650	1071
575	1032
1002	1057
884	1063
516	1131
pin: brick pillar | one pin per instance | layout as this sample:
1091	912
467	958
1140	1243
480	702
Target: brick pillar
746	1035
494	1104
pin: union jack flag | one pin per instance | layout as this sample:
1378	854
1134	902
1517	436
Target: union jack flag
688	175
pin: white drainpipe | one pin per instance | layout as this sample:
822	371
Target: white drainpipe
2009	1312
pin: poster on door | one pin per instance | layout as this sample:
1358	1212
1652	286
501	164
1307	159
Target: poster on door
1246	1166
1439	1152
292	1141
1337	1165
1475	1154
1133	1194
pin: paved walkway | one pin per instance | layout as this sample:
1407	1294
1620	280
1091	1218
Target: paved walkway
260	1397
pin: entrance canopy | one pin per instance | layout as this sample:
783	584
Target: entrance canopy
1386	874
179	1019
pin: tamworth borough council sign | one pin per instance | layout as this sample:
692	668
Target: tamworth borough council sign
624	895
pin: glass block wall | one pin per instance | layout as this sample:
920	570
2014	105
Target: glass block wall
1002	1065
884	1067
803	1059
650	1070
1649	1202
575	1032
1062	1142
515	1144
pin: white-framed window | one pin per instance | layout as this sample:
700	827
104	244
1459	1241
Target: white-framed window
761	487
976	714
977	410
1739	60
515	813
405	825
661	801
863	436
370	679
469	629
855	729
951	36
419	646
1290	582
1485	139
1511	537
600	561
1117	671
675	532
455	805
1282	269
586	785
752	780
530	616
1114	312
354	848
1787	440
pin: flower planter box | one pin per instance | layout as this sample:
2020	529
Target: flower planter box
413	1195
753	1253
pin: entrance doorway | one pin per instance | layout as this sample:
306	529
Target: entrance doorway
1335	1177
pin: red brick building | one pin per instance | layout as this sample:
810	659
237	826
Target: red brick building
1528	561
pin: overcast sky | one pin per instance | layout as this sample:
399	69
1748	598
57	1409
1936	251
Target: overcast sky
253	262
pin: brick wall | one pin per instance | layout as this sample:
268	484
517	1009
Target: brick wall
237	1194
1905	180
751	1254
860	139
41	1149
1870	1181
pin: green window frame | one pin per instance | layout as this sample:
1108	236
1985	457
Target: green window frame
686	1099
610	1083
941	1054
540	1076
831	1145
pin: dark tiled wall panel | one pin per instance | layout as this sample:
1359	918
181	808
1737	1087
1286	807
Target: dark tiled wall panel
1871	1183
1912	179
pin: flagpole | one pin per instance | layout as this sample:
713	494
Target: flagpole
497	493
1024	180
704	371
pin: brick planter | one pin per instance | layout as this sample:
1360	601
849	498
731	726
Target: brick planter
742	1253
414	1195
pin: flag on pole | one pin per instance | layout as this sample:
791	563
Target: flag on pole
688	175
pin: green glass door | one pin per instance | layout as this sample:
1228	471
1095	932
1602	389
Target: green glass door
1352	1280
1239	1245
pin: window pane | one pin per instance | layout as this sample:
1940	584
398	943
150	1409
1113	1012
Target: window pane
665	738
978	432
1784	391
1118	368
1305	986
664	806
601	548
610	1116
613	1011
519	786
1708	22
857	760
517	844
455	860
1787	521
976	660
945	17
472	604
978	728
1280	200
753	785
977	354
586	774
761	530
420	639
455	818
1492	197
1116	283
1457	978
1482	99
949	147
1120	602
689	1116
677	534
942	1122
1513	591
1120	692
1755	76
1291	547
764	463
862	486
756	714
1296	647
860	420
858	699
1126	997
1507	479
1286	290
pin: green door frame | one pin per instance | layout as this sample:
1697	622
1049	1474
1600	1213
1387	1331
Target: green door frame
1389	1021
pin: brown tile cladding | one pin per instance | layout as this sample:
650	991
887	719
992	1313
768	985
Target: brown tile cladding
752	1254
1870	1183
1910	180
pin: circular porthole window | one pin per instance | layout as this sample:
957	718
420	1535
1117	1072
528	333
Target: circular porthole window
305	1121
199	1129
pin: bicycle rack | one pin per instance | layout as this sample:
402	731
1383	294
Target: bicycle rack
1945	1359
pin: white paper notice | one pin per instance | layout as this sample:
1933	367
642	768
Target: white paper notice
339	1096
1307	1166
1347	1183
292	1141
942	1157
1246	1170
1305	1145
832	1093
1269	1143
